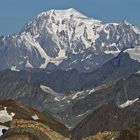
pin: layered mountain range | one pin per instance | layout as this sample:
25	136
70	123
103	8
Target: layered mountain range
113	107
83	72
18	121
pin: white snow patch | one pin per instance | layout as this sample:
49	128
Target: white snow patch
60	58
88	56
62	105
65	97
48	90
107	33
1	128
74	62
35	117
68	101
68	69
69	127
113	52
14	68
21	62
62	53
91	91
28	64
87	68
5	116
31	43
128	103
138	72
56	99
103	44
43	55
135	29
134	53
76	95
113	44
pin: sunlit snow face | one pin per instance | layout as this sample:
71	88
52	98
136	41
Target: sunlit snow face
5	116
134	53
35	117
128	103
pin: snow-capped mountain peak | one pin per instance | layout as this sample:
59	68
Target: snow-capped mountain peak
62	13
66	39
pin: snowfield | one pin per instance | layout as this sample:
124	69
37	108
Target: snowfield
35	117
5	116
134	53
1	128
128	103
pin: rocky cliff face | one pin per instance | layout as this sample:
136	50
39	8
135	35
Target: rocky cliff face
26	123
128	134
32	130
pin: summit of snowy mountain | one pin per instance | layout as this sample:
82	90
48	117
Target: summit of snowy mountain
66	39
62	13
68	13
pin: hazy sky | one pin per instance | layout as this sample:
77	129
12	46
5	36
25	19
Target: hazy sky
15	13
